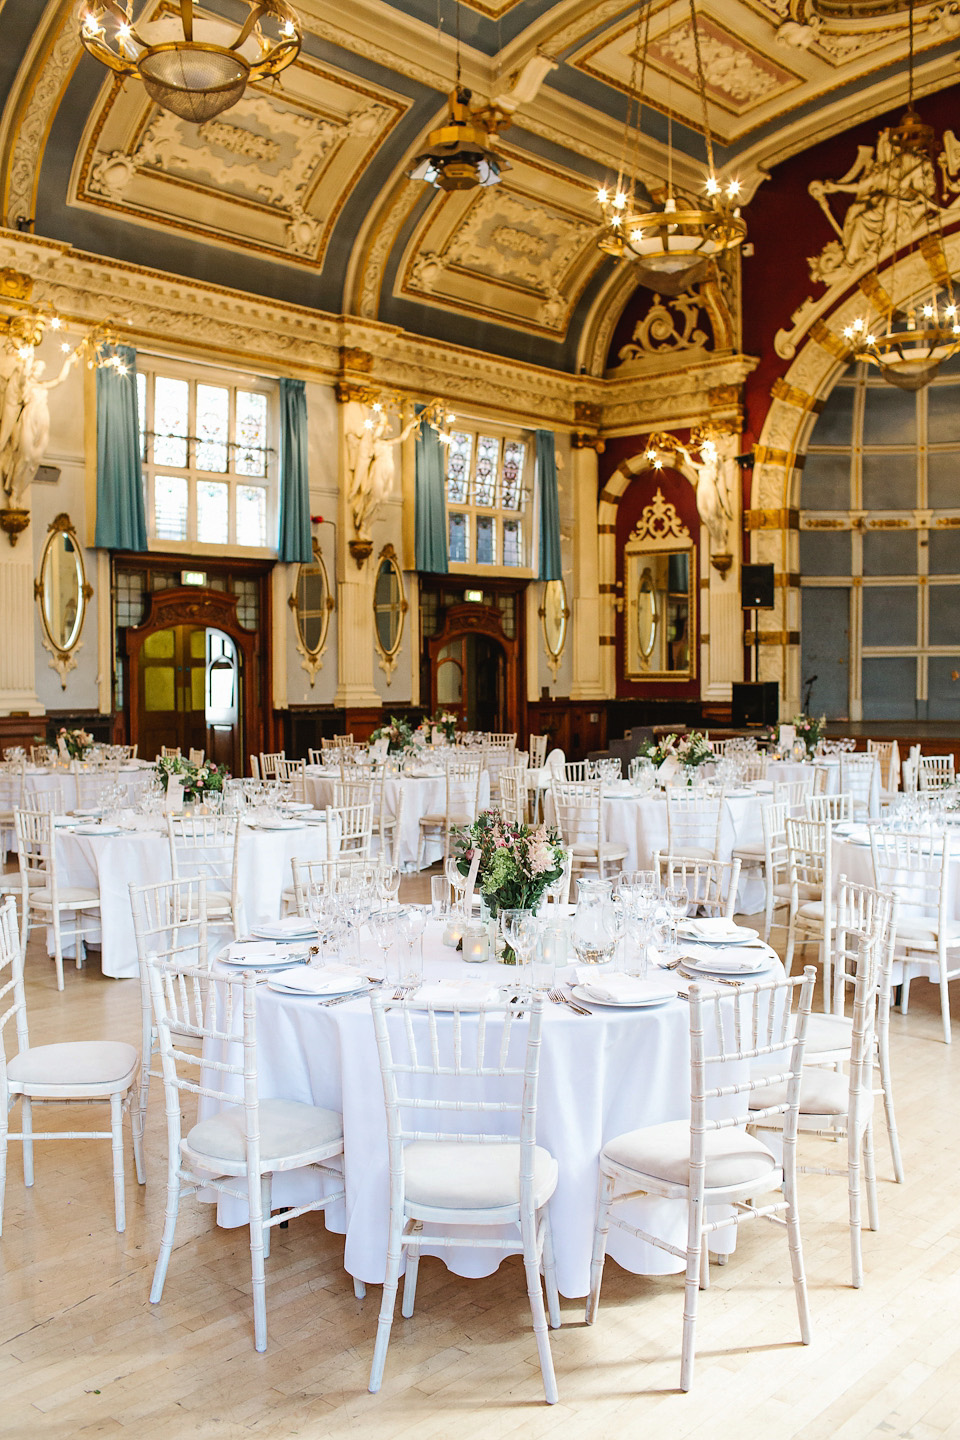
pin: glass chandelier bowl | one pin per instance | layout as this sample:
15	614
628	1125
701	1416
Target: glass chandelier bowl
460	154
194	78
908	357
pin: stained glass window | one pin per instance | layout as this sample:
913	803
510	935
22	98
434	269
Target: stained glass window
511	543
171	421
514	453
458	467
213	427
213	512
458	537
251	515
251	432
170	500
484	484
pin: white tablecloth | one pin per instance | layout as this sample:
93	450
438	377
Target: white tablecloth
600	1077
134	778
111	863
422	795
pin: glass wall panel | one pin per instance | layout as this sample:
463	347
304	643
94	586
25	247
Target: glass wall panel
825	552
826	481
890	552
890	615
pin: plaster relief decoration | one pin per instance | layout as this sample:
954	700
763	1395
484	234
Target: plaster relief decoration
659	522
515	241
738	77
709	463
269	175
667	328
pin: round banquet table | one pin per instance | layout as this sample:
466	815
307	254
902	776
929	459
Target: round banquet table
422	795
135	777
109	864
600	1076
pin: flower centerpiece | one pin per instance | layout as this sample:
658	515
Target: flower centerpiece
197	780
810	730
517	862
398	734
445	722
688	750
74	743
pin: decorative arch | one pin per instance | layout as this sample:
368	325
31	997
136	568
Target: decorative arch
796	400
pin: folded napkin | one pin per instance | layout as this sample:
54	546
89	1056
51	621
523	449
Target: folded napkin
254	952
715	929
617	988
732	960
305	981
465	994
295	927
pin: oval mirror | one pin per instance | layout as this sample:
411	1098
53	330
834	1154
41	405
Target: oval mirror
312	608
554	617
388	603
62	593
646	615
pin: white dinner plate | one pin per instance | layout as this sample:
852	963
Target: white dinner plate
276	824
251	956
742	935
581	994
734	965
318	982
98	830
295	806
294	927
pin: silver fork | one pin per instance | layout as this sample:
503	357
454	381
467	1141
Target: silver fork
558	998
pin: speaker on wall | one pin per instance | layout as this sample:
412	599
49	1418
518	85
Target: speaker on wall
756	587
756	704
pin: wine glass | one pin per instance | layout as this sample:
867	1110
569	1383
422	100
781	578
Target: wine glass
411	922
383	924
387	881
319	910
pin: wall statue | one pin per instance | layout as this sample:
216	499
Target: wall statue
370	454
717	477
24	418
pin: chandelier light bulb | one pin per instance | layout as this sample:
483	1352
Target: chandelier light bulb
603	195
733	189
620	200
651	455
65	348
928	312
712	185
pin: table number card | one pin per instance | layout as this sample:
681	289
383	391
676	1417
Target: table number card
788	734
173	803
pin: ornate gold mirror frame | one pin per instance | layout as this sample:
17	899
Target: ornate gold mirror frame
659	586
311	611
62	592
390	605
554	614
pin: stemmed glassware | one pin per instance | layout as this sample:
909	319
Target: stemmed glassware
411	922
383	924
521	931
387	882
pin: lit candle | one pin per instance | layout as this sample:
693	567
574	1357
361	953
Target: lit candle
452	932
476	944
553	945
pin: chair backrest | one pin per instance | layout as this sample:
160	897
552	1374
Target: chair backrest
206	845
353	824
13	1005
916	869
887	753
576	770
809	857
863	912
537	750
710	884
500	741
36	851
935	772
860	777
773	818
314	757
169	752
738	1030
754	768
293	773
463	771
793	793
693	820
196	756
92	786
328	874
487	1066
357	791
335	742
49	799
254	767
513	793
42	755
269	763
578	811
12	787
829	807
169	923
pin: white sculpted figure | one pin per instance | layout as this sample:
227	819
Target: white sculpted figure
370	460
25	420
716	473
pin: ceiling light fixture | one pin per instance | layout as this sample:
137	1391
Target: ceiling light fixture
195	78
672	244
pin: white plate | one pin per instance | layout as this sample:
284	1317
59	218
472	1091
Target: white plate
98	830
318	982
742	965
248	959
580	994
456	996
293	928
295	806
742	936
276	824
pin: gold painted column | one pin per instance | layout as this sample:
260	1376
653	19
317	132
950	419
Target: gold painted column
588	659
18	692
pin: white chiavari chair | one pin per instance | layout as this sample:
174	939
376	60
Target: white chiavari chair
712	1160
578	810
710	884
462	799
238	1150
353	824
793	793
452	1174
537	750
840	1107
496	760
327	874
860	778
269	763
754	768
887	755
575	769
195	757
43	899
209	845
935	772
12	795
694	819
42	755
829	807
293	773
497	741
314	757
916	868
93	786
73	1072
513	793
254	768
49	800
810	876
169	752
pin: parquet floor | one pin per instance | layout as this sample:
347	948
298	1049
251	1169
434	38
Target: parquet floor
83	1353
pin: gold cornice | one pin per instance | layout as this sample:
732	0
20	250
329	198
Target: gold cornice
872	288
793	395
771	519
829	341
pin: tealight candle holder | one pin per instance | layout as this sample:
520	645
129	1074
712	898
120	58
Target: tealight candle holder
476	944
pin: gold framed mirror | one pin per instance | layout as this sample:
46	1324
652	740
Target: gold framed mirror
554	615
312	604
389	608
62	594
659	586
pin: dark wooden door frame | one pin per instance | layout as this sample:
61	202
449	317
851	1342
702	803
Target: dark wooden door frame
474	619
215	610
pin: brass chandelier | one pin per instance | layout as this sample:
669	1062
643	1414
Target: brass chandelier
460	153
195	78
672	244
909	354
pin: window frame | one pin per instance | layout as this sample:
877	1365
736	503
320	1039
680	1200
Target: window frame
526	515
151	365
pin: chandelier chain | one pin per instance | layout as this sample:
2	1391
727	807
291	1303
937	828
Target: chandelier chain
701	85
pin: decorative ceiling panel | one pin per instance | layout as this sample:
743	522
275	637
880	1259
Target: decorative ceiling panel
268	175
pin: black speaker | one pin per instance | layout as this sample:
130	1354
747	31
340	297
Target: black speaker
756	704
756	587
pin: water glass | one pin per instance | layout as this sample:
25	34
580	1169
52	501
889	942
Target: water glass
439	897
410	924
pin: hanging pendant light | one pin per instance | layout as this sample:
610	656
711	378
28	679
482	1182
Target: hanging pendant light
671	245
908	354
461	153
193	78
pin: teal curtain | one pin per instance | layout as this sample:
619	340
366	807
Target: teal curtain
121	514
430	512
549	507
296	542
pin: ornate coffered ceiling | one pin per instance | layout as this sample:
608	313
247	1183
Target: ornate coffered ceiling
298	193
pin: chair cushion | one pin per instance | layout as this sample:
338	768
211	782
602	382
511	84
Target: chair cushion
915	929
68	896
754	851
828	1033
455	1176
733	1157
804	892
822	1092
694	852
287	1127
76	1062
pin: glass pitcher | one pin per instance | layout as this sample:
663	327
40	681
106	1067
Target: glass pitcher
594	924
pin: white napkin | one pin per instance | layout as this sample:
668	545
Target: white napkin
733	960
293	926
617	988
254	952
466	994
712	929
305	981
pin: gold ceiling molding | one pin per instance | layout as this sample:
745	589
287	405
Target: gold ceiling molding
872	288
793	395
827	340
771	520
52	69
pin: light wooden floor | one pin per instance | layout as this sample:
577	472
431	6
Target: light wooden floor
84	1354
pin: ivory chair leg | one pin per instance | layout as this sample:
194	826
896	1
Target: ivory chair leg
550	1273
169	1231
137	1128
531	1264
387	1303
116	1136
600	1231
691	1295
266	1205
410	1278
3	1168
905	991
259	1200
359	1289
26	1129
791	944
57	948
886	1081
870	1178
854	1144
945	1001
